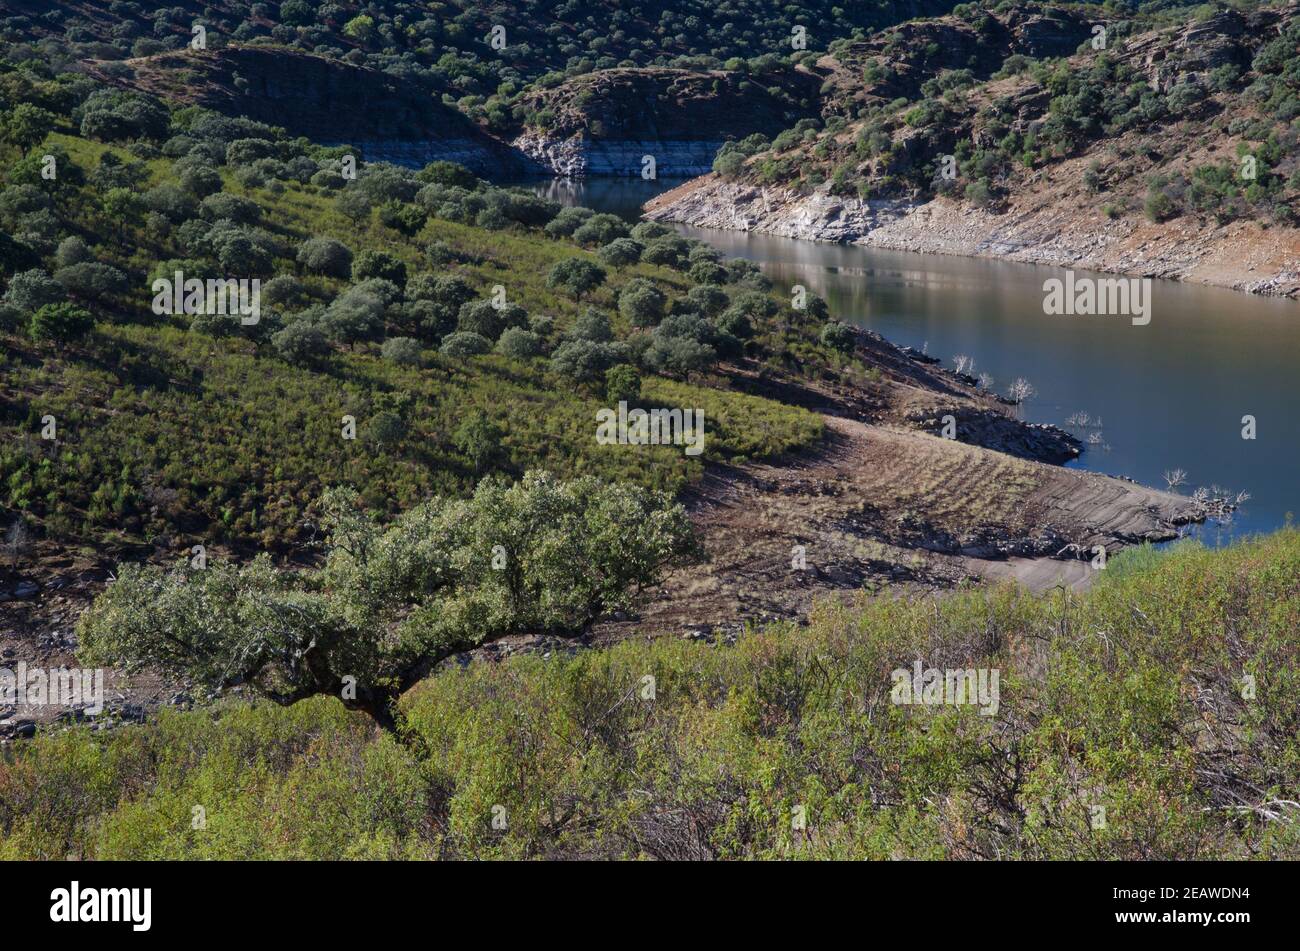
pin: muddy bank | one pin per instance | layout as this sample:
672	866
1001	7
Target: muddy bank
877	507
886	502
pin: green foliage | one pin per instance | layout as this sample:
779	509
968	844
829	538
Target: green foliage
998	129
465	343
403	351
678	356
519	344
478	439
729	164
1101	702
379	264
448	175
1159	205
406	219
230	207
301	342
621	252
592	325
62	323
444	49
31	290
577	276
91	280
839	336
641	303
227	432
539	555
111	115
326	256
27	125
489	321
600	229
585	361
354	315
622	384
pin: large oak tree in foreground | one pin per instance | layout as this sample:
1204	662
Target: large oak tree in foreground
542	555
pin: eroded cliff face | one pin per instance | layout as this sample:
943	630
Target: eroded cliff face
324	99
611	121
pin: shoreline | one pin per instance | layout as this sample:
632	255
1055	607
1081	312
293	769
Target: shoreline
1240	256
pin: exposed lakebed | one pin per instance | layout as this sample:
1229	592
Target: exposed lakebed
1169	395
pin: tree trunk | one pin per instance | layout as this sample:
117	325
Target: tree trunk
380	707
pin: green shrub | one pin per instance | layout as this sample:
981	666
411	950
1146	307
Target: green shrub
577	276
561	554
404	351
641	303
622	384
30	290
621	252
838	336
62	323
465	343
1159	205
1101	703
379	264
519	344
326	256
301	342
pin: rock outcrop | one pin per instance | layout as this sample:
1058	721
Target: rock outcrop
579	156
608	122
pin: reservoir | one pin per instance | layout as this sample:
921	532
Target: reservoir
1165	396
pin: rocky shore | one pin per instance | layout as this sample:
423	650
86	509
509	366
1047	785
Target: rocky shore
1240	255
579	156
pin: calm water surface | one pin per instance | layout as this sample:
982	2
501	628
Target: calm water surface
1169	395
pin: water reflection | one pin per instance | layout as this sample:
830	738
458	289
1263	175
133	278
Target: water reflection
1170	395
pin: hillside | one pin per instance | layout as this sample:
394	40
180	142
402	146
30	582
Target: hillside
424	330
447	48
363	497
1169	153
1127	698
386	116
605	122
598	123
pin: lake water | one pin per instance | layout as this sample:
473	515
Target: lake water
1169	395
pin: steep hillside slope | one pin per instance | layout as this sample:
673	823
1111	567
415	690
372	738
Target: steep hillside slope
475	54
326	100
1170	153
897	62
